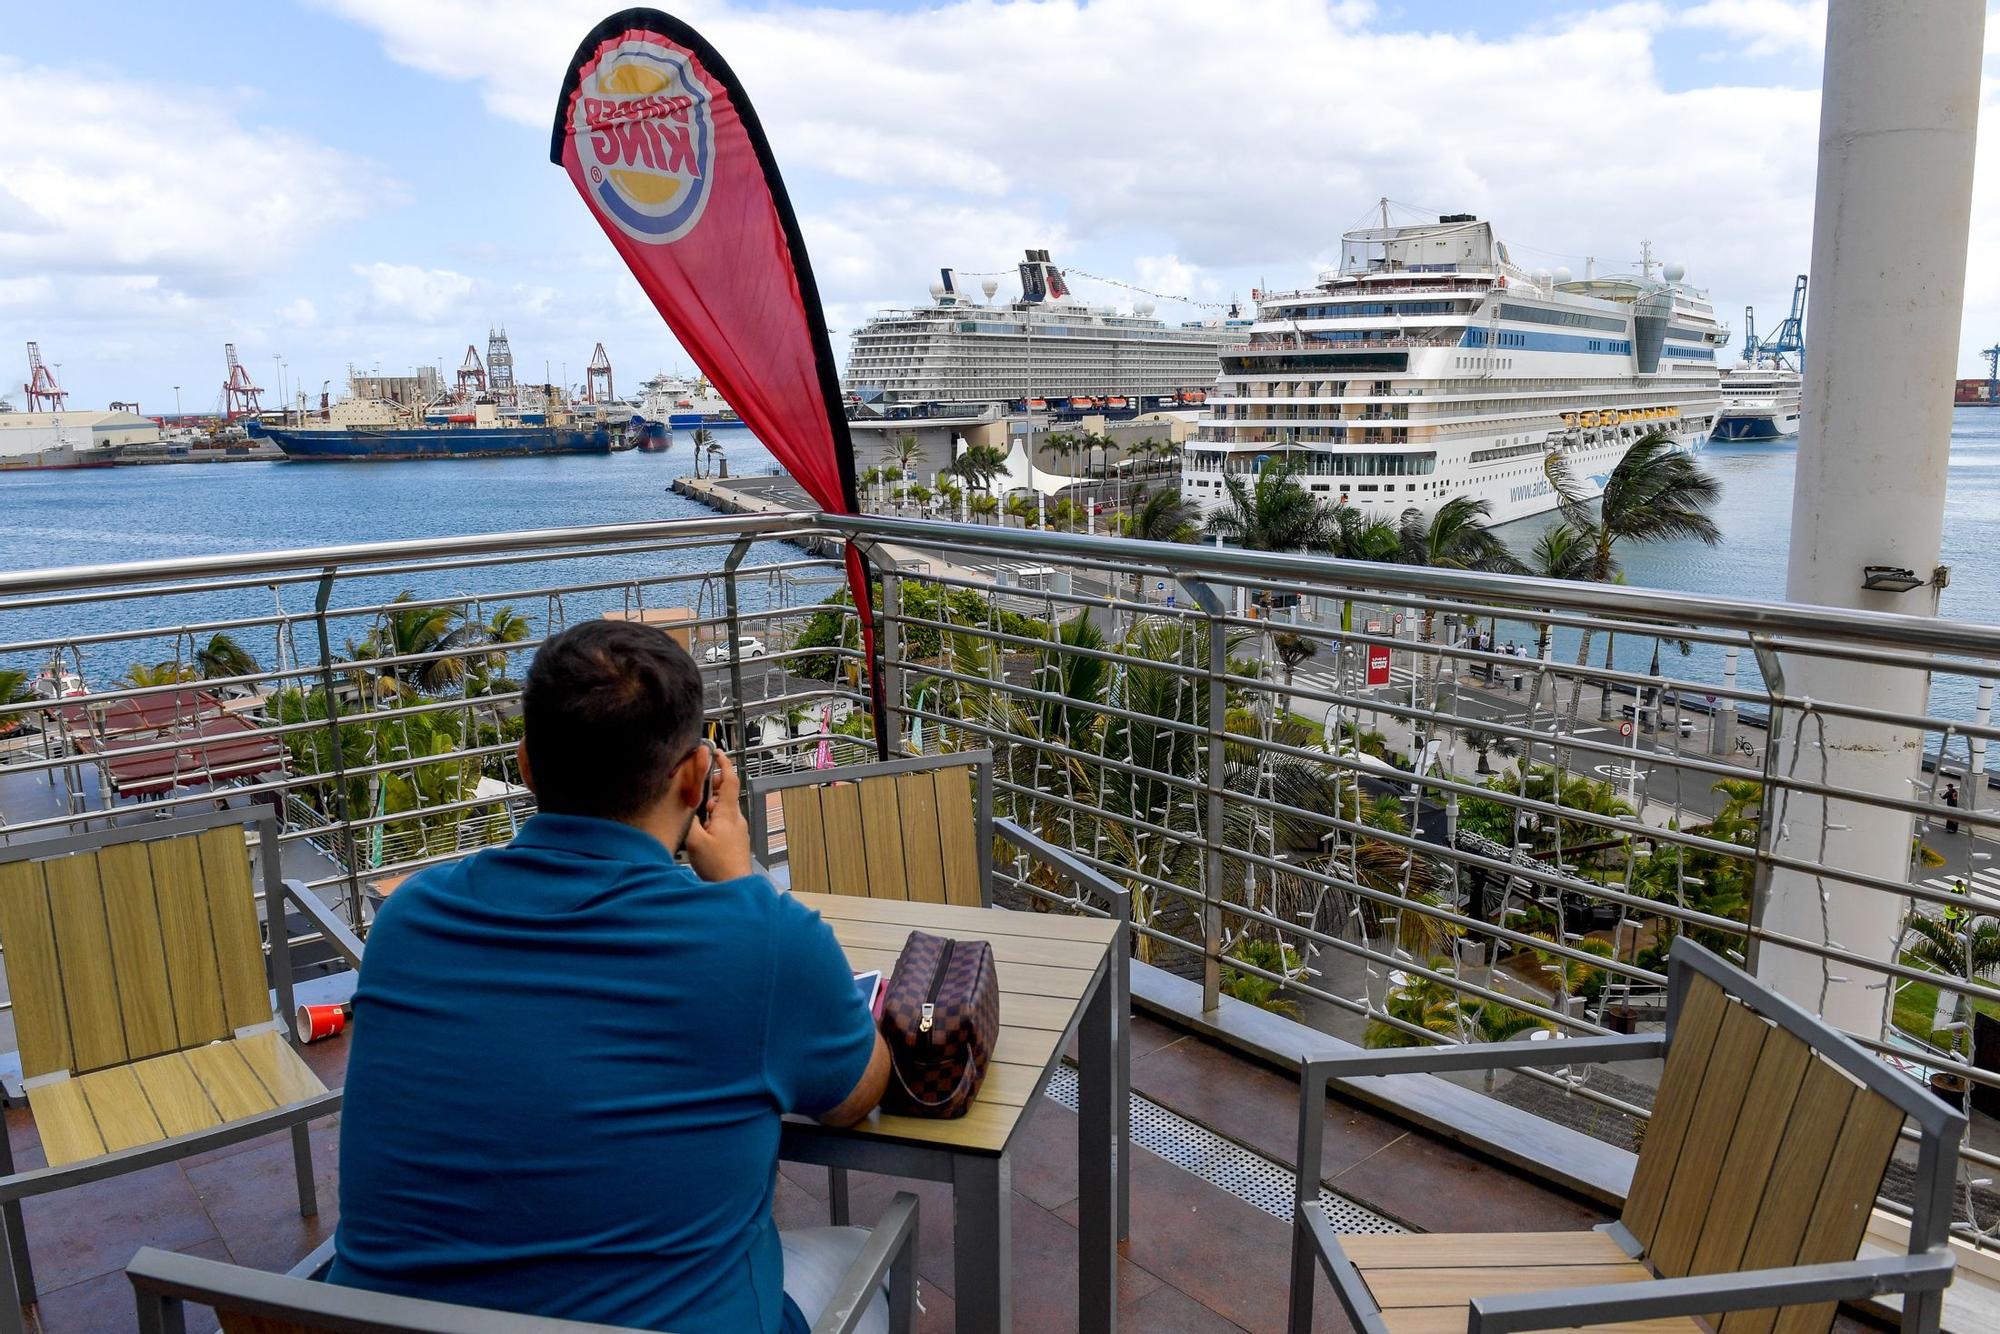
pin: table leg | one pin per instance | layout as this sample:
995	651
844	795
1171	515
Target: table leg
983	1263
1098	1152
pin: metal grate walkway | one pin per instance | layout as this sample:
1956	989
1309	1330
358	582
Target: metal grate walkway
1223	1163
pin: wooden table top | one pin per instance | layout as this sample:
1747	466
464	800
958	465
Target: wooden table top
1044	962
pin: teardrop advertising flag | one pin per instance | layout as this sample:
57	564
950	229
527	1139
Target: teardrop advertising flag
658	137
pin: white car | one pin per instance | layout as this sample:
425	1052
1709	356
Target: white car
749	646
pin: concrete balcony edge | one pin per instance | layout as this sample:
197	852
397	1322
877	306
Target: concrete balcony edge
1556	1154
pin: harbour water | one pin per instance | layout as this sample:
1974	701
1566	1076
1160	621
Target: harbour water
56	518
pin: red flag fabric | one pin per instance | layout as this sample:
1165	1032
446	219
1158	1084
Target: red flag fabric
658	137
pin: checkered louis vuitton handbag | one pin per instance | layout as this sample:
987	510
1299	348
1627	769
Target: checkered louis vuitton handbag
940	1018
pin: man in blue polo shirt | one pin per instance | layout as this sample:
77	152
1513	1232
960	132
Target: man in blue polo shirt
570	1054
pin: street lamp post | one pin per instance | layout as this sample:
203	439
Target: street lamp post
177	403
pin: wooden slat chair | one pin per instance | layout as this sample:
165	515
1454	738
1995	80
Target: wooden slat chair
922	829
250	1301
1748	1204
136	968
919	828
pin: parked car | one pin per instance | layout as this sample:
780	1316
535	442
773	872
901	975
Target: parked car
749	646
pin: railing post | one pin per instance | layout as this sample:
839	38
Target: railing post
1210	602
891	648
348	856
739	717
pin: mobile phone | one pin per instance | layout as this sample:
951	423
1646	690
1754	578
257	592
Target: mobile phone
872	986
708	783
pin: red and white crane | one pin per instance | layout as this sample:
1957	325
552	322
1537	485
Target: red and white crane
41	388
239	395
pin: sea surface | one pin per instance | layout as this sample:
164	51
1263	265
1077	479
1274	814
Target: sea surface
122	514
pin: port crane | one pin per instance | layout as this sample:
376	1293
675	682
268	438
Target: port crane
599	369
471	374
239	395
41	388
1791	335
1749	335
1992	355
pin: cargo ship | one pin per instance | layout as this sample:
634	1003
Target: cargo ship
380	431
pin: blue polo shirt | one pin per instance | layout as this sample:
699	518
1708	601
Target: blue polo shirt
569	1058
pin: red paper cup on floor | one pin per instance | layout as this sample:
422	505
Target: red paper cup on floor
321	1021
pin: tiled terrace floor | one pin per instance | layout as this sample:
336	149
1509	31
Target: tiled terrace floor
1199	1259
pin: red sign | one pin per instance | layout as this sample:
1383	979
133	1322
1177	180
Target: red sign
1378	664
658	137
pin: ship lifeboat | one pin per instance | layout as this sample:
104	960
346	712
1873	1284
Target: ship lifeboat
1587	419
1569	419
1611	418
462	418
1038	405
1114	402
1083	404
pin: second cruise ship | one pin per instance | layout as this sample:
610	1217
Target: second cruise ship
1046	353
1430	366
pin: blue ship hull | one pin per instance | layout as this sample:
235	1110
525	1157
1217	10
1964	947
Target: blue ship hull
687	421
440	442
1745	428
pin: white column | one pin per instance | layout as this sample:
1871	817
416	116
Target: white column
1898	120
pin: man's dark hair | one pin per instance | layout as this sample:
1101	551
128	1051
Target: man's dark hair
612	708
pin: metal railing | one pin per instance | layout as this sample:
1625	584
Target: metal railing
1403	804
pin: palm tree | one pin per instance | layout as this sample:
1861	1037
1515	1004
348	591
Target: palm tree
979	465
1277	514
14	686
907	453
1485	743
1024	509
222	655
1421	1002
984	507
410	629
702	439
919	495
1454	537
1165	517
140	675
1653	494
1292	650
1357	536
505	626
1959	944
1561	552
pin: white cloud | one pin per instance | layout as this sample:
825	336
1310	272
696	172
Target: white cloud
168	183
1243	144
408	292
300	313
1764	27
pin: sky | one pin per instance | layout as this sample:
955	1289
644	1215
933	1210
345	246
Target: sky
365	183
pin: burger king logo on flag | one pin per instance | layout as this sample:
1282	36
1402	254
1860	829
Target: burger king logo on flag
643	129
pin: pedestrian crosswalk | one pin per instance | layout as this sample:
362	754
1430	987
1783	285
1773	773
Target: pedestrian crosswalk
1984	882
1325	678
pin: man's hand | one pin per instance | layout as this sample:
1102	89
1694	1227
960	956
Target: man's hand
720	849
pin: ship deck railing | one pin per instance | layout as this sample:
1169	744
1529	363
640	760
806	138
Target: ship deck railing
1284	757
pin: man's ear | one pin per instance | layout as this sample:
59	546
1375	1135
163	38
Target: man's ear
521	758
688	778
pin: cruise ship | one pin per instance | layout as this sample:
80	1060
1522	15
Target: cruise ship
1759	402
1428	366
1046	352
